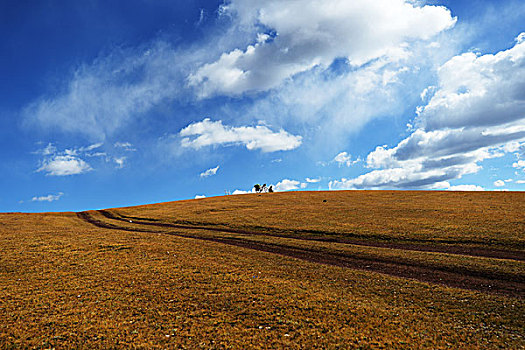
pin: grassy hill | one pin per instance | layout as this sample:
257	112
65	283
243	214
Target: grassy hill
348	269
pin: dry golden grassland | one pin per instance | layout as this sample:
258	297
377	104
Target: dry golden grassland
349	269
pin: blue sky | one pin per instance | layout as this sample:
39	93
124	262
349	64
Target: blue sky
111	103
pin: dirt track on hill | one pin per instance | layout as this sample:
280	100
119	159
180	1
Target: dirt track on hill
449	249
459	277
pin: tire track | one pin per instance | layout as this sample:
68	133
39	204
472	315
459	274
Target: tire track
445	275
457	250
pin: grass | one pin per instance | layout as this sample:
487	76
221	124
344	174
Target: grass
449	217
66	283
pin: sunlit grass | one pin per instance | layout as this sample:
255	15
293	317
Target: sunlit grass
65	283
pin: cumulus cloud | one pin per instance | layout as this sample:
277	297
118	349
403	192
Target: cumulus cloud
64	165
476	113
499	183
403	177
214	133
209	172
344	158
71	161
48	198
286	44
309	180
199	196
287	185
474	90
520	164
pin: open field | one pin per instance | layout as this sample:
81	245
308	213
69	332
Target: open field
349	269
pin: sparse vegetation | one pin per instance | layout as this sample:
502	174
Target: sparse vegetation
322	270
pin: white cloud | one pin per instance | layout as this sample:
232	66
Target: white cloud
465	188
499	183
260	49
313	180
90	147
332	105
64	165
199	196
202	17
104	95
252	190
241	192
68	161
451	139
210	133
514	147
126	146
48	198
426	92
520	182
71	161
344	158
520	38
519	164
288	44
403	177
476	90
119	161
48	150
210	172
287	185
96	154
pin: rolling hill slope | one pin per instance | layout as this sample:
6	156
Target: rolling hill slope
349	269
